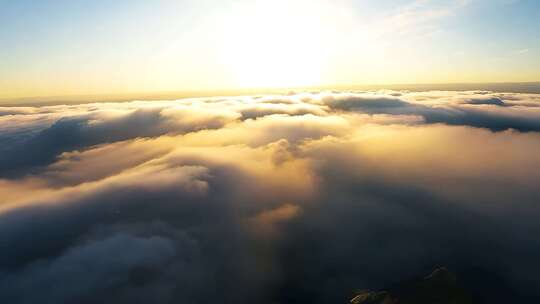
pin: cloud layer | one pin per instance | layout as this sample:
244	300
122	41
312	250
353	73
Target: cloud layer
299	198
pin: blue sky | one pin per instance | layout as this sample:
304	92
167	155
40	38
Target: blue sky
87	47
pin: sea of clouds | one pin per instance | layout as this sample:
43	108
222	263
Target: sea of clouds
298	198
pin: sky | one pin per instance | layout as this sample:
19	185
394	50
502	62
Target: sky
61	47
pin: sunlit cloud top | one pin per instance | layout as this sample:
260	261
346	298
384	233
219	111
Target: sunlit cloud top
297	198
97	47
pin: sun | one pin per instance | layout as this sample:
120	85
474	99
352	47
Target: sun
268	45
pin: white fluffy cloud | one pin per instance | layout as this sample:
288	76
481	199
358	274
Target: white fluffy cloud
296	198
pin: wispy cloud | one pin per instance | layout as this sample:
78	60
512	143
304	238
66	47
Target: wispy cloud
521	51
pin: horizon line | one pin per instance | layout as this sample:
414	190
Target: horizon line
532	87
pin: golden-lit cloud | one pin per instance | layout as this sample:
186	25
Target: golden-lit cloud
284	195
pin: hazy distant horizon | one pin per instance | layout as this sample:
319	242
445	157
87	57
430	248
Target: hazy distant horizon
500	87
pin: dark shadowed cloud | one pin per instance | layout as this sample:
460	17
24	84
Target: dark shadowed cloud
302	198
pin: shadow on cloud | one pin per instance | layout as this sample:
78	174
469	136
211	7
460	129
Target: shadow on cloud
277	199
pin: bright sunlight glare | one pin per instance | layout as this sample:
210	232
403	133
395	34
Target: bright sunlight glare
272	47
